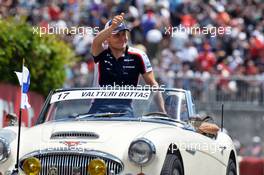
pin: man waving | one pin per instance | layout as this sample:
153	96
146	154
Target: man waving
119	64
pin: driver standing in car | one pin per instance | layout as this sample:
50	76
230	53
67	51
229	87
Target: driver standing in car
118	63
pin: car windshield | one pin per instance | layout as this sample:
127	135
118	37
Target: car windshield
87	104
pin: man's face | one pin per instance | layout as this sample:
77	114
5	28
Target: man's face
119	40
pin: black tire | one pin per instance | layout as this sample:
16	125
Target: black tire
172	166
231	168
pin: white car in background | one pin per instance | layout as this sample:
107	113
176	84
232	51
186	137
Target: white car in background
117	131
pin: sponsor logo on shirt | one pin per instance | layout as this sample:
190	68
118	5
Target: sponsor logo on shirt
129	67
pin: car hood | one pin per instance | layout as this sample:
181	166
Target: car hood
105	130
105	136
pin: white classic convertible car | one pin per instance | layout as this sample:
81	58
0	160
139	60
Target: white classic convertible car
96	131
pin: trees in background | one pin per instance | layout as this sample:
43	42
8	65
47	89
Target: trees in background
45	56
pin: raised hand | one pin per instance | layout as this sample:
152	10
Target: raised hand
118	19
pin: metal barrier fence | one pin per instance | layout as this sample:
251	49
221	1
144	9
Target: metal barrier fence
231	90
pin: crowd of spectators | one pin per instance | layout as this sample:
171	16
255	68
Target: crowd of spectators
175	55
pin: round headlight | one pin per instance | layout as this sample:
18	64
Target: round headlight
31	166
141	151
4	150
97	167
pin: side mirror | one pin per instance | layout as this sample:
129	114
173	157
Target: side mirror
11	119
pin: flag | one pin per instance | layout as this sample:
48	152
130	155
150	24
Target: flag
24	81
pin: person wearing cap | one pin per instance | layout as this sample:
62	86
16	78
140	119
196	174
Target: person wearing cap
119	64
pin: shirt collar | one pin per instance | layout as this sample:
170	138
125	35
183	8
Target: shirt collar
124	54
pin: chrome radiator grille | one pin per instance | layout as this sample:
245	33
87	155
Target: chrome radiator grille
75	163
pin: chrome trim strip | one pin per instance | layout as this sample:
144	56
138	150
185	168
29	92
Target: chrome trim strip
190	105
